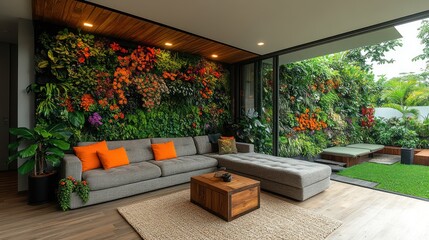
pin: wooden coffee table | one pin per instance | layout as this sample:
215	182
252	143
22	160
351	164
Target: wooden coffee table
228	200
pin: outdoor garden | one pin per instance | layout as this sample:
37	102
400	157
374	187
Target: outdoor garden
331	101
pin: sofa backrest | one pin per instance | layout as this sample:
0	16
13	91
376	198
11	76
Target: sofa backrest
203	144
184	146
138	150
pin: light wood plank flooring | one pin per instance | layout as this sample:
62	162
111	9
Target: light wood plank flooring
365	213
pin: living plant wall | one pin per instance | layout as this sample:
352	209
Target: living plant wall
323	102
106	90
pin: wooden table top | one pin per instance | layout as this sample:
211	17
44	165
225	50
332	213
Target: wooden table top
237	183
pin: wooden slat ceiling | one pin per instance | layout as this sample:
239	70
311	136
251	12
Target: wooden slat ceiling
73	14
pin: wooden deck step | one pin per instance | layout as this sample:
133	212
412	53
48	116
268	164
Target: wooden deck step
324	161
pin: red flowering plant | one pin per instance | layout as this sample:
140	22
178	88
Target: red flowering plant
69	185
367	117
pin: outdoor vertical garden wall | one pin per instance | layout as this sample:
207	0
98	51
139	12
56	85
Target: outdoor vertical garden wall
104	90
322	102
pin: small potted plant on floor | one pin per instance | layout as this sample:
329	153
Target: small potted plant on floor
42	149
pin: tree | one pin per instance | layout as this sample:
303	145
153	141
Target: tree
423	35
373	53
402	92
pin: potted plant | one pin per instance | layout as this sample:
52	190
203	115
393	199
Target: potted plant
408	142
42	149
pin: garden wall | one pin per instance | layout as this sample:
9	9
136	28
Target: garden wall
104	89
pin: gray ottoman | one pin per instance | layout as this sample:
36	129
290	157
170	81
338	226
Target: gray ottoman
293	178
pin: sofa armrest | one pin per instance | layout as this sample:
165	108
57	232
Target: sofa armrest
245	147
71	166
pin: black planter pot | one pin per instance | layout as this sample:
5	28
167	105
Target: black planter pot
41	189
407	155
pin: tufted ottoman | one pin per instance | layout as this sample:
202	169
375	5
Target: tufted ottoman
293	178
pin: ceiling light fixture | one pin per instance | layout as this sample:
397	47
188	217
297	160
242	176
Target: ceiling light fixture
168	44
214	56
261	44
86	24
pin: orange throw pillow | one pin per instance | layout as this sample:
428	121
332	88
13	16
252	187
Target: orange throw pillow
88	155
113	158
164	151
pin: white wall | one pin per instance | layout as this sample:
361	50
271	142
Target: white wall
25	102
391	113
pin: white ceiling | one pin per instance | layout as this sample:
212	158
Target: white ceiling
15	9
10	12
280	24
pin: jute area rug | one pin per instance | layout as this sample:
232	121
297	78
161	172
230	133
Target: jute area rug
174	217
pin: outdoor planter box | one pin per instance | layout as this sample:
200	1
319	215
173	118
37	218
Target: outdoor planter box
391	150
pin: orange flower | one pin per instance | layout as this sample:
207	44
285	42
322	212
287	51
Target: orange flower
86	102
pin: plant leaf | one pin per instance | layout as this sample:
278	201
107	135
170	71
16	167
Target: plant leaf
63	145
76	119
27	167
56	151
28	151
43	64
14	146
53	160
22	132
12	158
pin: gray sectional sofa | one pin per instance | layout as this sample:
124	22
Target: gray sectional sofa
292	178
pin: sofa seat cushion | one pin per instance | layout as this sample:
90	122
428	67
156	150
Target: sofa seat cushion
101	179
185	164
288	171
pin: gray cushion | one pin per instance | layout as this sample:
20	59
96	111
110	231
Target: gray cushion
184	145
137	150
370	147
203	144
185	164
346	151
292	172
135	172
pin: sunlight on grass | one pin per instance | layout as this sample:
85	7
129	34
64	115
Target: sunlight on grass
406	179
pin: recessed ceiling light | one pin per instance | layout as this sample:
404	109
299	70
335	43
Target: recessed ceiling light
168	44
214	56
86	24
261	44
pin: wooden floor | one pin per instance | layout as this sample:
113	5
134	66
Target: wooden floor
365	213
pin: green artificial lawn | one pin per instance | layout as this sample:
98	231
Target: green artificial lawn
407	179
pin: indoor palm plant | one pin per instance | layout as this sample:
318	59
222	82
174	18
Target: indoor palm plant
41	149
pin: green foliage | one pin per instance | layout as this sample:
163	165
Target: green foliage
41	147
399	132
101	90
406	179
401	92
320	104
374	53
69	185
253	131
302	145
169	61
423	35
